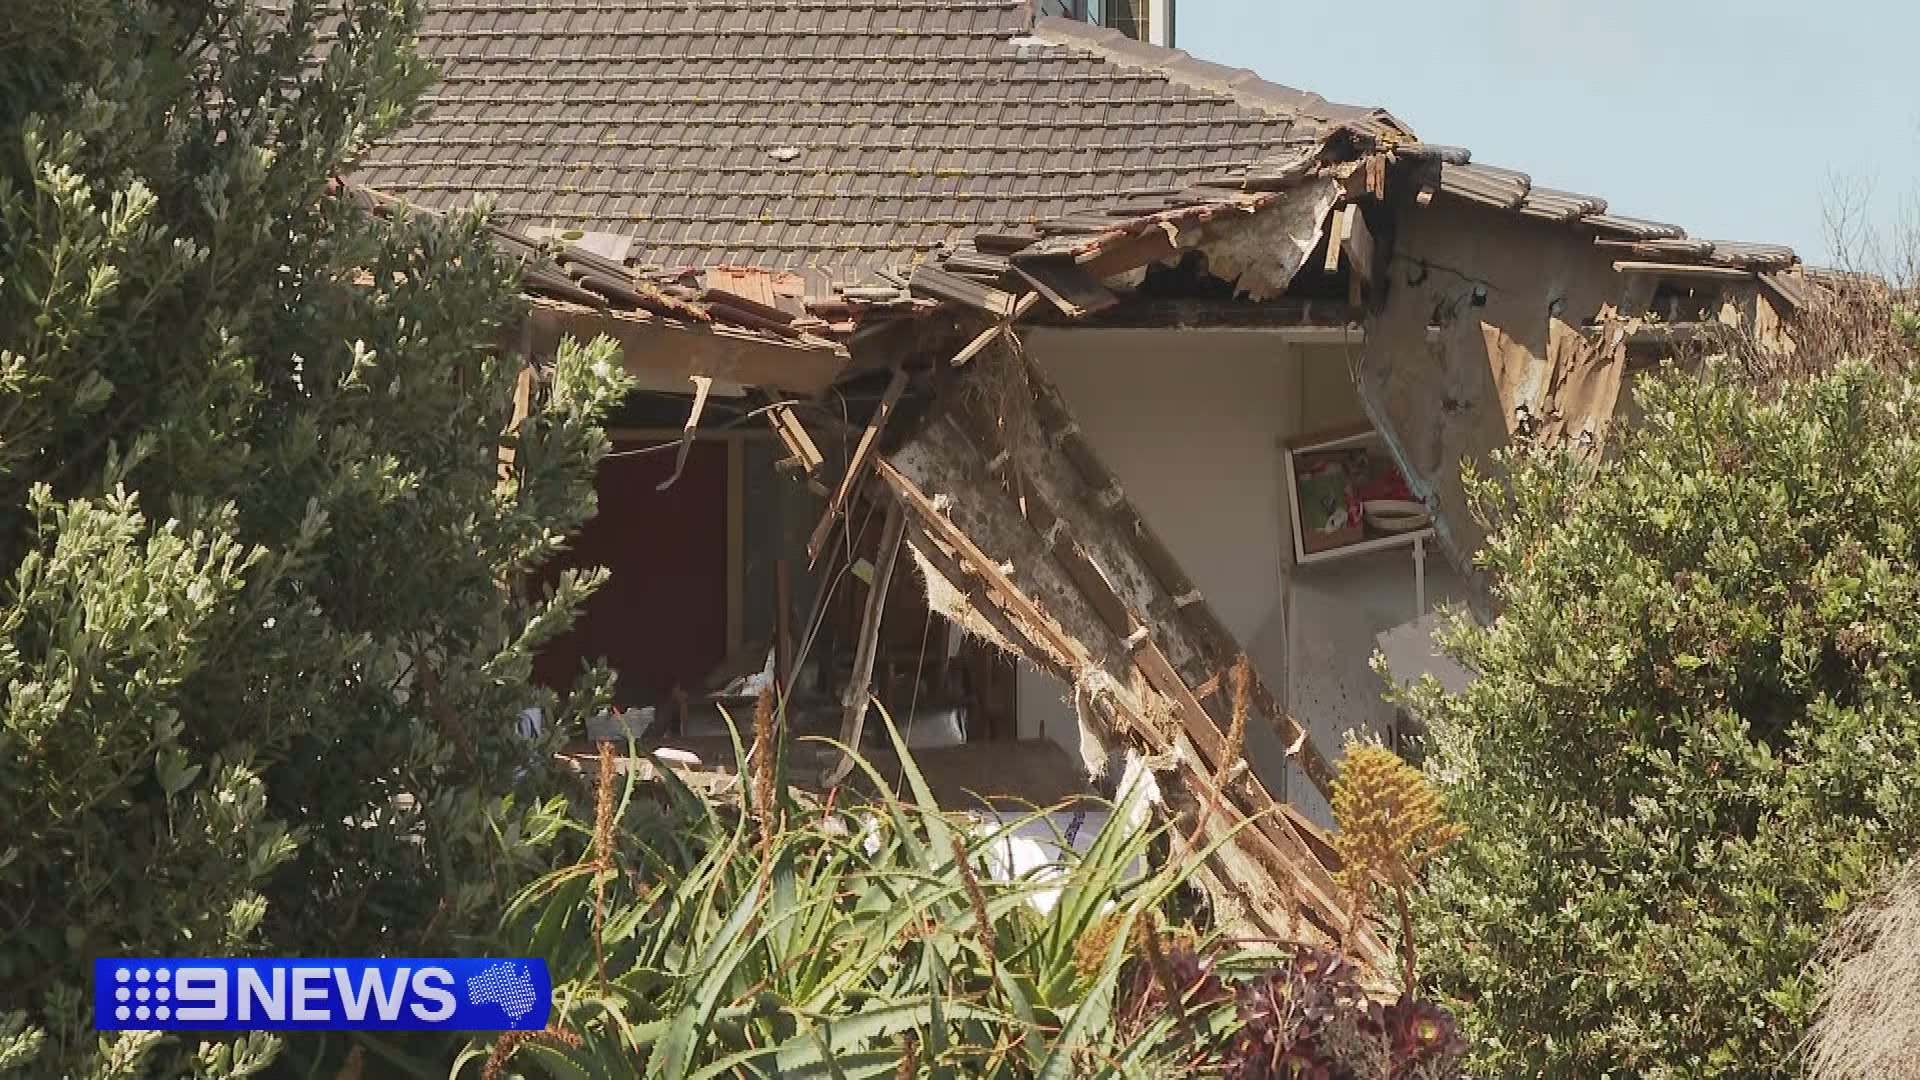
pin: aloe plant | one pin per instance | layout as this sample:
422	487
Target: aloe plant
766	934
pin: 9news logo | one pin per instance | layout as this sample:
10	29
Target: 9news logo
321	995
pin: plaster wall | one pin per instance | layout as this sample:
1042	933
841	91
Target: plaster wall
1192	423
1483	314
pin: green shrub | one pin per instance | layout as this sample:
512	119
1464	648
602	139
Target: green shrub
260	668
1694	740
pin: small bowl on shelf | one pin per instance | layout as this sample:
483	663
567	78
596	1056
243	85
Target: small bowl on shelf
1395	515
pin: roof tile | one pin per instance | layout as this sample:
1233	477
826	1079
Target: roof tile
916	123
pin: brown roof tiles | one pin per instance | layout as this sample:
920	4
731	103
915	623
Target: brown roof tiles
845	135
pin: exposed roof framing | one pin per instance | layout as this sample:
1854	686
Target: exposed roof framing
1035	543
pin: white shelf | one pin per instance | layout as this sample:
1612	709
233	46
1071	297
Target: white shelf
1379	543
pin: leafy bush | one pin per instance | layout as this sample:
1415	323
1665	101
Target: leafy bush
260	668
1694	740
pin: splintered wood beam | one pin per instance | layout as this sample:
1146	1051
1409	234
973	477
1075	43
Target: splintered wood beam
1323	319
1267	850
1072	559
1368	180
1206	733
701	385
793	435
857	464
1132	253
1724	273
937	283
522	408
1357	242
853	715
1337	227
1260	804
988	571
992	333
968	581
1067	286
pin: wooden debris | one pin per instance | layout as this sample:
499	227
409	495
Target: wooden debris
747	290
856	466
1356	240
992	333
938	525
806	455
1337	227
1067	286
802	364
1131	253
522	404
701	384
1004	242
853	715
1727	273
1267	860
1207	735
930	281
966	580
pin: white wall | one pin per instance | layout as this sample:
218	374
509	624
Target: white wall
1191	421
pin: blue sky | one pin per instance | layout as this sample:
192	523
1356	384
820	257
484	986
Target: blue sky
1733	118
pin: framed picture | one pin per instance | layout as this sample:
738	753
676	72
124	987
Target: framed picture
1346	496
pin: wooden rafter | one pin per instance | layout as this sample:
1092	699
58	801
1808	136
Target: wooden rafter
1270	848
857	464
859	691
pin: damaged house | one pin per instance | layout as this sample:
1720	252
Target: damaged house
1079	401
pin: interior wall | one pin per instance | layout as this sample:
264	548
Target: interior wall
1192	423
1338	607
1189	422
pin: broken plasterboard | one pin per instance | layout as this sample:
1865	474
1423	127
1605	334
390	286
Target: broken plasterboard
1260	255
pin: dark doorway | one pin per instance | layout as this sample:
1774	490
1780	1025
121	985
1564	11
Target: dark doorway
660	621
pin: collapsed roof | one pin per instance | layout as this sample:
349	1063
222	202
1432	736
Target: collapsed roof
735	186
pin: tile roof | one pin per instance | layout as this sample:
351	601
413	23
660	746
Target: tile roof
838	145
840	135
1506	189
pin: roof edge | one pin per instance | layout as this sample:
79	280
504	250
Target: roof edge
1244	86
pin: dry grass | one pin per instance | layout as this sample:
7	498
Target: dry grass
765	747
1868	1025
602	855
1854	316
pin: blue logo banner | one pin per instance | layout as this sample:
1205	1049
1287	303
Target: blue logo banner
321	995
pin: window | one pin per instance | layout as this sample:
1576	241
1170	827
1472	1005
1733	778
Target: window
1133	18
